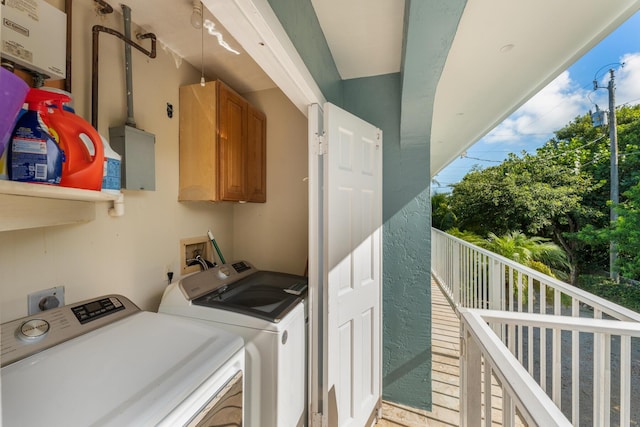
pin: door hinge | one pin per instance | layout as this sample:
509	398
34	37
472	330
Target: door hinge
321	145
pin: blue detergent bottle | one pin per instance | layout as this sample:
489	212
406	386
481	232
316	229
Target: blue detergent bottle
34	153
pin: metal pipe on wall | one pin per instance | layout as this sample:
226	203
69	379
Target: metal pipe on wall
67	11
97	29
126	13
105	7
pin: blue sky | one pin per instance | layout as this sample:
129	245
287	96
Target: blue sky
570	95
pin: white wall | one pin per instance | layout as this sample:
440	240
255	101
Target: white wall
274	235
131	254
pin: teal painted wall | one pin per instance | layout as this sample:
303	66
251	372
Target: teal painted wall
406	210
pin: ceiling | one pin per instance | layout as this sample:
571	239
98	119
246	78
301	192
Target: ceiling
502	52
170	20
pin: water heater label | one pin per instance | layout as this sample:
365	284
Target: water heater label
28	7
17	51
15	27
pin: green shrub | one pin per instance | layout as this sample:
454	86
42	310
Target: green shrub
622	294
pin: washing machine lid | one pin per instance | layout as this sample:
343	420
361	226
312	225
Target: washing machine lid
134	371
262	294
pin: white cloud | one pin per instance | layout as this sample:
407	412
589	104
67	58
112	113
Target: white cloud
563	100
550	109
628	80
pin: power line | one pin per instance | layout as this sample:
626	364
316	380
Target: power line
482	160
577	148
604	158
628	103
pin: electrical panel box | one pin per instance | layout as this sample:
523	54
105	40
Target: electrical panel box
33	36
137	149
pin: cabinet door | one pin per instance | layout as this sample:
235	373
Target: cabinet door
232	128
198	148
256	156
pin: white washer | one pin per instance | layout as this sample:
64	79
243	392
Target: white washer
104	362
266	309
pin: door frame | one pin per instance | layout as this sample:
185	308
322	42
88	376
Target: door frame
318	297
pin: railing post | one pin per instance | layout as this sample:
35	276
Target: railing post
495	286
496	291
470	379
601	379
454	286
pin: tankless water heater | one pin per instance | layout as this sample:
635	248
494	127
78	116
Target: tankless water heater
33	36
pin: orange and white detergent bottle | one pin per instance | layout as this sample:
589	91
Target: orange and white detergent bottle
55	146
82	145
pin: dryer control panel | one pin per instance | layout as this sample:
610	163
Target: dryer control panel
204	282
24	337
96	309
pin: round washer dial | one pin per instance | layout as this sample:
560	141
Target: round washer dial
33	329
224	272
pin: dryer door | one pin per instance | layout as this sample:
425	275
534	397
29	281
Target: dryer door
224	409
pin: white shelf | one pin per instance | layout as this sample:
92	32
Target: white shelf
25	205
54	192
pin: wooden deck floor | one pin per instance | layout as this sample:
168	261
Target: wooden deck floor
445	342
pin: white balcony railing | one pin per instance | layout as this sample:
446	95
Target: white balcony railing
582	361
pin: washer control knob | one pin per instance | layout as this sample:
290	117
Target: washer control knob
224	272
33	330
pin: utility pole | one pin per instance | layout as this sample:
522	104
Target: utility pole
614	191
613	138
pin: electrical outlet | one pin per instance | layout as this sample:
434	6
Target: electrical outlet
192	247
45	300
168	273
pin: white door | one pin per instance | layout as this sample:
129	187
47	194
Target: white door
351	273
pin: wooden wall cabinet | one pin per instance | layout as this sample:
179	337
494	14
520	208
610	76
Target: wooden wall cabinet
222	146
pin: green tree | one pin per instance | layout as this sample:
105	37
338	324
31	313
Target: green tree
587	148
442	216
561	192
525	193
626	233
536	252
467	236
584	147
533	194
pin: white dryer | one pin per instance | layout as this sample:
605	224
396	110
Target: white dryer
266	309
103	362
